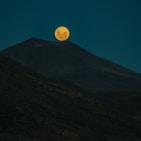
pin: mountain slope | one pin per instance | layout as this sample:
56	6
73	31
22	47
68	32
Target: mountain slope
66	61
34	108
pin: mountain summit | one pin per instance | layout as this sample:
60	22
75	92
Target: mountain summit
68	62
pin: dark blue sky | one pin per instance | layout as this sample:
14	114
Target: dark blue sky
107	28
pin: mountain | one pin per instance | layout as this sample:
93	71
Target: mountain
70	63
36	108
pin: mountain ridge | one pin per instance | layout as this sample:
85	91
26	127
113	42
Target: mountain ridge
69	62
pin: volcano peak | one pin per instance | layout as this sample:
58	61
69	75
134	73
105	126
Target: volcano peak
68	62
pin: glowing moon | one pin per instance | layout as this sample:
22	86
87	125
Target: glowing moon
62	33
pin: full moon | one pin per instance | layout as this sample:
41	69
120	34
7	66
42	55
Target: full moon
62	33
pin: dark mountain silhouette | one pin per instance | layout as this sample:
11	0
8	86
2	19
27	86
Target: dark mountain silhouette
68	62
35	108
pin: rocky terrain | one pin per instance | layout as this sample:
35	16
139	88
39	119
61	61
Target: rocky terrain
35	108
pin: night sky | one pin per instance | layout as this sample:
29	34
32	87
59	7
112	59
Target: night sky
107	28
